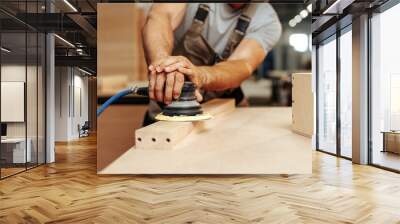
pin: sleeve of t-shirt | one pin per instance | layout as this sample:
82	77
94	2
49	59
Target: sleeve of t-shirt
265	27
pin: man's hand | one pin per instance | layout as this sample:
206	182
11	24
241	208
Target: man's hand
180	64
164	87
167	78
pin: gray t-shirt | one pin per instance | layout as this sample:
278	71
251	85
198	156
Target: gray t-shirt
264	27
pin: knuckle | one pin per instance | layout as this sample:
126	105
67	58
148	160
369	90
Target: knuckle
180	77
180	69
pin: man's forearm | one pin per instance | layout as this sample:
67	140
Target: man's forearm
225	75
158	38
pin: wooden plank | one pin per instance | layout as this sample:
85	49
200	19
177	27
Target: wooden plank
167	134
219	106
162	134
245	141
303	104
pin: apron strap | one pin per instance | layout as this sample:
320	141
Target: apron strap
240	30
200	19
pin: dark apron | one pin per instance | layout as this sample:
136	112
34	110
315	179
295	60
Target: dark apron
194	47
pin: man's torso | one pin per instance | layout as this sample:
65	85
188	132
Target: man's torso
221	22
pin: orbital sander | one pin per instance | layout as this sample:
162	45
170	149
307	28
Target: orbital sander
185	108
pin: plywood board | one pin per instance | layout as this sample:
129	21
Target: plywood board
245	141
167	134
303	104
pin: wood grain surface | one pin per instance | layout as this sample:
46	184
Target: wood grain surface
303	104
244	141
120	54
165	135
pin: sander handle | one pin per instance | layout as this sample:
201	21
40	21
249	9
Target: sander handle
141	91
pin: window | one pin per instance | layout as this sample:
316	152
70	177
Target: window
346	74
385	89
327	97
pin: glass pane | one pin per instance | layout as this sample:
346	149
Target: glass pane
327	97
13	87
41	98
32	96
385	84
32	89
346	94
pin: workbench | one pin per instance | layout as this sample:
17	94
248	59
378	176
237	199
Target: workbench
238	141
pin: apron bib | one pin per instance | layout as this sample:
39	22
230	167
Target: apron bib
199	52
194	47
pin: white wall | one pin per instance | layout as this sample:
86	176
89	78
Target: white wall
62	81
16	73
12	101
82	83
71	94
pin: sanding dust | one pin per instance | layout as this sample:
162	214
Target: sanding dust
183	118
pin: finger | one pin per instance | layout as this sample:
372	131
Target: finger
186	71
179	80
199	97
158	69
174	67
159	87
151	67
156	65
169	61
152	82
169	86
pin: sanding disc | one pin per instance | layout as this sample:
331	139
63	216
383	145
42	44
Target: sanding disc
183	118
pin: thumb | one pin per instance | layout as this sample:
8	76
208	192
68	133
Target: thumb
199	97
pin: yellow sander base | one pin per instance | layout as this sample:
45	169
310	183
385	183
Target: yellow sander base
183	118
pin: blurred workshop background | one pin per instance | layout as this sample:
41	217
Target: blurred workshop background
270	84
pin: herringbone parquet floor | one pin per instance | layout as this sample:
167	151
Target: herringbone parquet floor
69	191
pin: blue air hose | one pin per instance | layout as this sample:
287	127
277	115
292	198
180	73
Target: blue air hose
113	99
143	91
